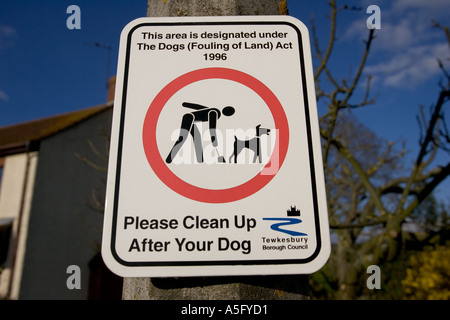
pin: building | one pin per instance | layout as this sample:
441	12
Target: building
52	173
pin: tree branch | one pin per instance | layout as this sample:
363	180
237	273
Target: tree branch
351	89
443	173
324	60
361	174
356	225
443	97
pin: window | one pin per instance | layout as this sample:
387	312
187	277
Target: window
1	171
2	161
5	235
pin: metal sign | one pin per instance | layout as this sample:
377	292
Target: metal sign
215	161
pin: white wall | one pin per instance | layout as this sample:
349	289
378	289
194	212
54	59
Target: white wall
15	199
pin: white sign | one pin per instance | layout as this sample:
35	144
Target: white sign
215	161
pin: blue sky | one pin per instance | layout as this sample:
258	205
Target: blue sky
47	69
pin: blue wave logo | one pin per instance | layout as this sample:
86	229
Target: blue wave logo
285	222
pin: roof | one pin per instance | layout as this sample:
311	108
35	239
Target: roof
20	137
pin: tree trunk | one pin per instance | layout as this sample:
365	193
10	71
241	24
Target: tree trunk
292	287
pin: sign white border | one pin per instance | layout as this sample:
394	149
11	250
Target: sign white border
212	268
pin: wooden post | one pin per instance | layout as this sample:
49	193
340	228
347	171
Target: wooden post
283	287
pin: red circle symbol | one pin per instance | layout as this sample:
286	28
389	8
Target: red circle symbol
186	189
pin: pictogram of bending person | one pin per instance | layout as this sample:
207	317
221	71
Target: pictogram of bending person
202	114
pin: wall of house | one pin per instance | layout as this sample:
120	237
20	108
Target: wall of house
64	228
15	199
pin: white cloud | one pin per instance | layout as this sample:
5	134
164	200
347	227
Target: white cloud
411	66
399	34
403	23
406	48
397	31
431	6
3	96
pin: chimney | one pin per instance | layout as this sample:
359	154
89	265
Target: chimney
111	88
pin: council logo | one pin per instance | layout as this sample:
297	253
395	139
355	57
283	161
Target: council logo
282	223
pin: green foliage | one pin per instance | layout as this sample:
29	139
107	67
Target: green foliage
428	275
323	284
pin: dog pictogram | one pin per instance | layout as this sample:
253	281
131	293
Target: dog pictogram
253	144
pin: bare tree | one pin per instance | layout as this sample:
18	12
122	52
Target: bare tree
370	191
